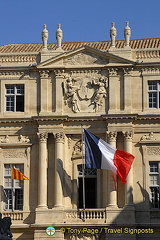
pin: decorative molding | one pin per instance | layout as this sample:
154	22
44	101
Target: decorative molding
148	136
77	149
23	139
42	137
5	139
153	150
151	71
14	153
60	137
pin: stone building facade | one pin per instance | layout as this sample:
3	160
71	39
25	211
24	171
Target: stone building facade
48	92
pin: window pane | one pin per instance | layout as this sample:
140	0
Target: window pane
152	85
7	170
155	197
8	199
19	199
154	180
10	103
152	100
154	167
19	103
7	182
20	89
9	89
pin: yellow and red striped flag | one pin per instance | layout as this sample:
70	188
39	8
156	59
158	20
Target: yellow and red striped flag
16	174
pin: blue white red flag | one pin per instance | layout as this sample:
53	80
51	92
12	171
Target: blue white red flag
101	155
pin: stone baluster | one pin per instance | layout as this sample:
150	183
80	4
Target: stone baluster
59	139
112	178
42	170
129	184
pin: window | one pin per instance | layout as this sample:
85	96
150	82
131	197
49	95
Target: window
154	184
90	184
13	189
15	98
154	94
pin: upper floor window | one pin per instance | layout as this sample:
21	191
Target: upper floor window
154	94
13	189
154	184
15	98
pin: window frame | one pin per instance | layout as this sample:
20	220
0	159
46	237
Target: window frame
14	189
154	93
154	188
13	96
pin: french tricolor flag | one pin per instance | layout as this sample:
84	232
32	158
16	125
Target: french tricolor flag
101	155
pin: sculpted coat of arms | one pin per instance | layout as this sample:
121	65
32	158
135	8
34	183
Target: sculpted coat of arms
85	93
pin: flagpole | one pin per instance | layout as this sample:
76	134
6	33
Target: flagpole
83	168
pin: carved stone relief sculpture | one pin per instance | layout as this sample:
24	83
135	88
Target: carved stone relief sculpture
100	92
71	93
85	93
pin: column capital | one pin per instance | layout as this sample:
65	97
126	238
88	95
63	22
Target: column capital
42	137
128	135
112	136
59	137
44	73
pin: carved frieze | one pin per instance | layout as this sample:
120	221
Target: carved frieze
85	58
85	92
113	71
14	153
12	140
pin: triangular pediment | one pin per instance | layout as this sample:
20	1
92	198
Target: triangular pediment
84	56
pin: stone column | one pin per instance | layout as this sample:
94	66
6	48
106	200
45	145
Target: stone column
112	178
58	93
59	138
127	89
42	171
44	91
113	76
129	184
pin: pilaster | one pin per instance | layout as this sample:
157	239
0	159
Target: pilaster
113	76
44	91
128	89
58	91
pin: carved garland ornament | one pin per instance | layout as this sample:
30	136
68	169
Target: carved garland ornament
153	150
86	90
11	153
